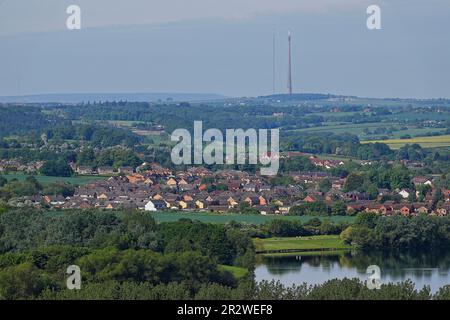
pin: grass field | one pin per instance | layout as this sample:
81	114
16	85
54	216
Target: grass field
224	218
313	243
424	142
237	272
77	180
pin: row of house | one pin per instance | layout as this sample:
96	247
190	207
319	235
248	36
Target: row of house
151	187
16	165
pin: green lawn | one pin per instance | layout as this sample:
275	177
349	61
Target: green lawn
299	244
224	218
237	272
76	180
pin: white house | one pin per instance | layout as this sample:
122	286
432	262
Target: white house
155	205
404	193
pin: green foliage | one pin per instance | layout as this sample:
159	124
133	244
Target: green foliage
23	281
59	188
398	232
56	168
3	181
324	185
354	182
317	208
187	235
14	188
339	208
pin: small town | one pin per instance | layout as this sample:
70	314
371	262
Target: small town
152	187
233	158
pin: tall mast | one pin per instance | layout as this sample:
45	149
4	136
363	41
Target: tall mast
290	65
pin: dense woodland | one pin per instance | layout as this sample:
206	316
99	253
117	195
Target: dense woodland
126	255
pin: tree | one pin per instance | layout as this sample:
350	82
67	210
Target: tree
3	181
354	182
23	281
59	188
339	208
56	168
324	185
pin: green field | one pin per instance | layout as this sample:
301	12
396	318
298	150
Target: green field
76	180
224	218
357	129
424	142
237	272
312	243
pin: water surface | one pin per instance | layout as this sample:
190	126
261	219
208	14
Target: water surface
432	269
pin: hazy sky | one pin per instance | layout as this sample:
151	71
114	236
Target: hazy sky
225	47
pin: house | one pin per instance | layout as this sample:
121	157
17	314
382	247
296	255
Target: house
171	182
420	208
57	200
284	209
382	192
105	170
353	196
200	204
186	187
355	207
103	196
406	210
218	208
135	178
421	180
84	170
252	200
157	197
262	201
337	184
149	181
264	187
234	185
155	205
232	202
310	199
126	170
404	193
250	187
264	210
446	194
443	210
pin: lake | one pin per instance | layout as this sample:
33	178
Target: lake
431	269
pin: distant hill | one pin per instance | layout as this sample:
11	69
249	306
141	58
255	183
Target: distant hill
85	97
304	96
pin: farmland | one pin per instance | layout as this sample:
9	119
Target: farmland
225	218
76	180
424	142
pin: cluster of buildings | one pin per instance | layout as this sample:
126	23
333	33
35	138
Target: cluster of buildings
7	165
199	189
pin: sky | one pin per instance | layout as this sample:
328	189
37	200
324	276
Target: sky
225	47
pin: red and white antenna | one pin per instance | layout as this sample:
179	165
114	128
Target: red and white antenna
289	84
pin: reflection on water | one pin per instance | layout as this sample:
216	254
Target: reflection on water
431	269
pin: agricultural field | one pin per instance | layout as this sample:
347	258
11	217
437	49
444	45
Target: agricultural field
76	180
424	142
310	243
359	130
225	218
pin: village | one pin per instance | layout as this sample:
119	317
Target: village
151	187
